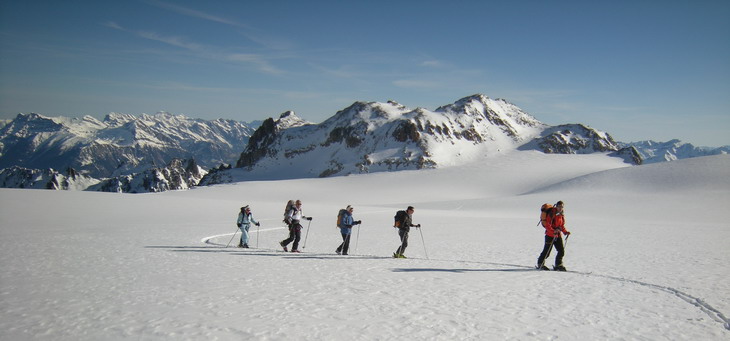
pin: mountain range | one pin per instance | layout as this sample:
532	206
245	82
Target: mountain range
120	144
652	151
374	137
124	153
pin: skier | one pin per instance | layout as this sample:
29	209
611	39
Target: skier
293	217
346	222
404	224
245	218
554	228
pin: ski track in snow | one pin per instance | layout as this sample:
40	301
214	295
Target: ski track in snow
206	240
695	301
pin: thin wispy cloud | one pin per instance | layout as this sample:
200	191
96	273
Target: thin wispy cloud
249	32
260	62
345	71
194	13
433	63
170	40
114	25
415	83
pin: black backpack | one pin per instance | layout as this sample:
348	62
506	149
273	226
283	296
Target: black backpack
400	218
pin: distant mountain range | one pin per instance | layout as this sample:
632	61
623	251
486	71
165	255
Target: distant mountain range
120	144
652	151
124	153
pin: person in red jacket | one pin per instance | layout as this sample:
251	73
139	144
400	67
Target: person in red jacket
554	229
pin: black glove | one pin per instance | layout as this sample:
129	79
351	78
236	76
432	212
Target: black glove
258	224
419	226
239	225
308	218
358	222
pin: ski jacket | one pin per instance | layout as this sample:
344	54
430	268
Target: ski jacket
246	219
407	223
555	221
295	214
346	223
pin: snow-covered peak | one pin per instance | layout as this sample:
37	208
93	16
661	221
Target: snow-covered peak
572	139
289	119
375	136
118	119
374	114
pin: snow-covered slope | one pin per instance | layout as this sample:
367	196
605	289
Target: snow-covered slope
648	251
120	144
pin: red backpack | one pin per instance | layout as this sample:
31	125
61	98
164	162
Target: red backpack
545	213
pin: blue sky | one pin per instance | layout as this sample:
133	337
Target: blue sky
635	69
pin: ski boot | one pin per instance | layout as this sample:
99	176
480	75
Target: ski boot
559	268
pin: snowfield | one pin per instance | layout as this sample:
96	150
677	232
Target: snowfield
649	257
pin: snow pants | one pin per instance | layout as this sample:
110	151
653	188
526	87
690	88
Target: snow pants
244	233
549	243
295	234
403	233
345	244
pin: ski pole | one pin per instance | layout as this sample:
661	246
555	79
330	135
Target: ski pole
234	234
306	235
357	238
566	242
424	243
548	253
258	227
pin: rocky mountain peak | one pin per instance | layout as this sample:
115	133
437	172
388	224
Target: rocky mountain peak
573	139
374	136
289	119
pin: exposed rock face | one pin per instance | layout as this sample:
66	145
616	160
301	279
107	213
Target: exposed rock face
630	155
572	139
19	177
179	174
